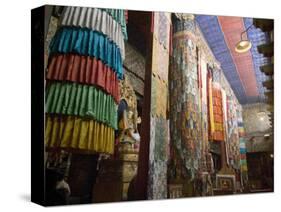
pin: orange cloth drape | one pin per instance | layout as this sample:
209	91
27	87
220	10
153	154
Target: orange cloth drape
218	134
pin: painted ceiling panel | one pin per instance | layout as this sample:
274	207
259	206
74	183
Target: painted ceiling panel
211	30
232	27
241	70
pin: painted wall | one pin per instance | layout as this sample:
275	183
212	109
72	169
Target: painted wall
257	125
134	68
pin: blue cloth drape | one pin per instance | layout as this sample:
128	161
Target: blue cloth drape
84	41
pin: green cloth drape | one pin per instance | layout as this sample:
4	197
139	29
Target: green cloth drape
81	100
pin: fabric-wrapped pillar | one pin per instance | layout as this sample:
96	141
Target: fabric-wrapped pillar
83	72
185	121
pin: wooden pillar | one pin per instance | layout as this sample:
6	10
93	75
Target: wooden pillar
152	171
142	174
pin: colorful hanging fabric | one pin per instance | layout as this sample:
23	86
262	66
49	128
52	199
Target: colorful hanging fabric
87	42
86	56
243	151
218	134
224	109
97	20
210	104
85	70
81	100
232	134
74	133
119	16
204	110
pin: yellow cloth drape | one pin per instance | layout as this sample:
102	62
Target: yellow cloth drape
72	132
211	110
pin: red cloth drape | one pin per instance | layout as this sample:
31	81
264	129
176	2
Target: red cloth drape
85	70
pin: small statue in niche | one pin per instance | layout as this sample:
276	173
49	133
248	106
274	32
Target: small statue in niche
127	129
127	116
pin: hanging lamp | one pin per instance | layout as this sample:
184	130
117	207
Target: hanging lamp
244	44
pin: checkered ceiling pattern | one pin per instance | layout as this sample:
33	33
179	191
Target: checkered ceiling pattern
241	70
